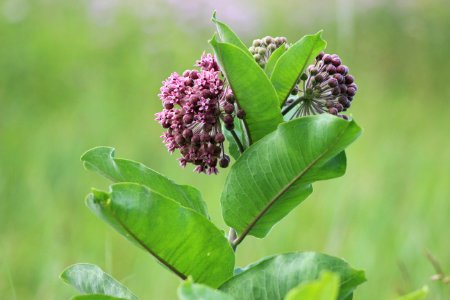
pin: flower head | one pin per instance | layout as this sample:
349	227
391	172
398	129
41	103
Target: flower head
327	87
263	48
194	104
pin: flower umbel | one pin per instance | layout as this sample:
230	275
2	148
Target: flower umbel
327	88
194	104
263	48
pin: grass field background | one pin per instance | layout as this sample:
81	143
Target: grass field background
77	74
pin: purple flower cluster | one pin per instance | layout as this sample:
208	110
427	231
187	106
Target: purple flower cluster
328	87
193	104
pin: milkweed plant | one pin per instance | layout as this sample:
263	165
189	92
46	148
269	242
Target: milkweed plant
281	108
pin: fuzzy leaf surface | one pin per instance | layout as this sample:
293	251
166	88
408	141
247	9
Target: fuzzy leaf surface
195	291
325	288
181	239
251	87
274	175
90	279
102	161
273	277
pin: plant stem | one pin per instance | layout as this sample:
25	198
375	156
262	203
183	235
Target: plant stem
287	109
232	235
238	141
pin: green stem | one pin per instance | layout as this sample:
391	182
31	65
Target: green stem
238	141
287	109
232	235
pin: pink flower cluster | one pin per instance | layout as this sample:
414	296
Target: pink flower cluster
193	106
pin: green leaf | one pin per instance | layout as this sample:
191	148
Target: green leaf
292	64
179	238
274	175
193	291
326	288
416	295
102	161
227	35
273	277
90	279
252	88
96	297
273	59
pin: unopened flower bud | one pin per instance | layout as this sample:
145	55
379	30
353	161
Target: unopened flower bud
228	119
268	40
188	118
240	114
228	108
224	161
331	69
333	111
257	43
327	59
179	139
219	138
230	98
187	133
204	137
349	79
336	61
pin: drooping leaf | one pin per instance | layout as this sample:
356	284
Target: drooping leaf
273	277
325	288
274	175
96	297
227	35
90	279
195	291
102	161
181	239
252	88
293	62
273	59
416	295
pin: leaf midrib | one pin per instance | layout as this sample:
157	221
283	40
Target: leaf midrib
159	258
249	227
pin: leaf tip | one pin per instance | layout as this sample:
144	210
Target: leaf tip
96	151
213	40
97	197
213	17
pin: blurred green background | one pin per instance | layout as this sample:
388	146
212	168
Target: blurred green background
77	74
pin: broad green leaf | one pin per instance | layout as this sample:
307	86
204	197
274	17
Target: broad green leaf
102	161
274	175
194	291
90	279
227	35
416	295
252	88
273	59
273	277
96	297
293	62
325	288
180	238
